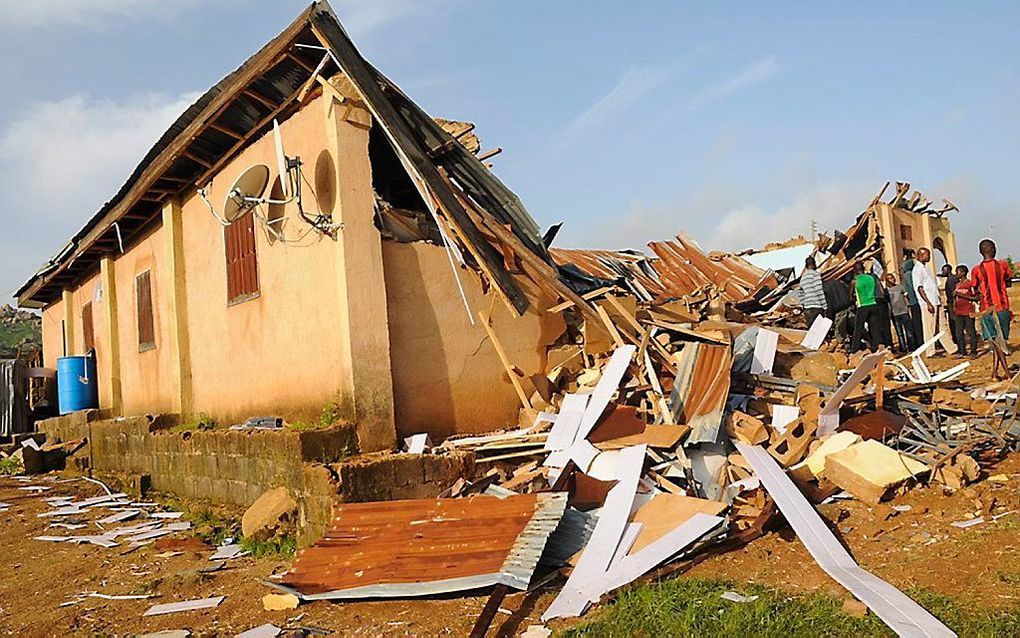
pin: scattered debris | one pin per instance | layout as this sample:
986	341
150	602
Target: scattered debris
734	597
279	602
188	605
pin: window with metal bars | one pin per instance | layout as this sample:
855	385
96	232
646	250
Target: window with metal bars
143	309
242	264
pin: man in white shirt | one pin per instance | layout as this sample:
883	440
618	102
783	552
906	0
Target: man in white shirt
929	300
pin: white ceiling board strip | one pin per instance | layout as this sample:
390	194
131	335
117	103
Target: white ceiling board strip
651	556
601	547
815	336
903	615
564	428
828	418
612	374
764	351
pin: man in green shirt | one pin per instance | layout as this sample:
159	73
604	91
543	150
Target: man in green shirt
865	285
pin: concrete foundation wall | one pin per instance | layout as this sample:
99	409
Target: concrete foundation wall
235	467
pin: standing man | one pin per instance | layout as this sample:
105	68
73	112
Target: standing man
948	303
991	278
867	309
963	312
812	293
928	295
916	330
900	311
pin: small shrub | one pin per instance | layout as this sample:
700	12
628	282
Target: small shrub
283	547
11	465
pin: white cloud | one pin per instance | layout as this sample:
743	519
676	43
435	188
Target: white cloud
60	160
726	217
757	72
831	204
67	157
631	88
91	13
361	17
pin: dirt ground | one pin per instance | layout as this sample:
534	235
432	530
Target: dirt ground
918	547
37	577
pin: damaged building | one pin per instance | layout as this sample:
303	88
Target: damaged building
357	279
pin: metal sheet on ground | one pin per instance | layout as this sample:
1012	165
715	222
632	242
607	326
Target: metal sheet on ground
903	615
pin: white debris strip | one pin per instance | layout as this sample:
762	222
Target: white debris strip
903	615
187	605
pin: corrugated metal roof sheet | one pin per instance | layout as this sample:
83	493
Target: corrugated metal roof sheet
679	268
701	388
423	547
13	404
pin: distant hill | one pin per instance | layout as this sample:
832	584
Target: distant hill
20	331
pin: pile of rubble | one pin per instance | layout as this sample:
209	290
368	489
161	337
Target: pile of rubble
679	415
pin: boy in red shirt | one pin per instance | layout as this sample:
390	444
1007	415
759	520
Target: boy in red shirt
964	297
991	278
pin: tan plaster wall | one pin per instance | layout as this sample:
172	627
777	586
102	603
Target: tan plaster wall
148	379
52	337
277	353
104	365
447	377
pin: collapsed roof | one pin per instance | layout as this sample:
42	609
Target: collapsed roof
463	195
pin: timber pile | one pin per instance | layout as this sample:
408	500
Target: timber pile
639	388
680	412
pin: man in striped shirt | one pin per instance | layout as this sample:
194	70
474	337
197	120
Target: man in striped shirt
991	278
812	293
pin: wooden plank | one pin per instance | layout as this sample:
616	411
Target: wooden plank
664	512
505	360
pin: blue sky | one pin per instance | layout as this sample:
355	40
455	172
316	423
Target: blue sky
735	122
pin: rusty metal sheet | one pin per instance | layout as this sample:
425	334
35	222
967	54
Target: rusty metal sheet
424	547
700	390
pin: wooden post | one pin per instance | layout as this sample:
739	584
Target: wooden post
510	369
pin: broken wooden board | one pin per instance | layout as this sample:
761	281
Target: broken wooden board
828	418
654	436
664	512
870	470
815	461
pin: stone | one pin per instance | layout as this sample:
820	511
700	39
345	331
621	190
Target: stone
279	602
273	513
855	608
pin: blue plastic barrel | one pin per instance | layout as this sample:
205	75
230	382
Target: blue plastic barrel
76	384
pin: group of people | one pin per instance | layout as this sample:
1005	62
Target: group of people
869	305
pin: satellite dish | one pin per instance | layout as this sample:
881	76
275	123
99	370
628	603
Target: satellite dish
281	159
246	192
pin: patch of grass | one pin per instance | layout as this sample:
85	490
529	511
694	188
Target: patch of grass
11	466
970	619
329	417
283	547
211	527
692	607
146	588
202	422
